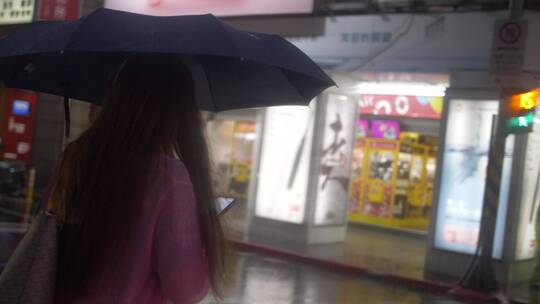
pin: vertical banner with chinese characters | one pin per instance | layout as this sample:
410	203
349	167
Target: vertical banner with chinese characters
335	161
59	9
18	124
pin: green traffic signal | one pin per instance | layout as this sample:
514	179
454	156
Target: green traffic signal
520	124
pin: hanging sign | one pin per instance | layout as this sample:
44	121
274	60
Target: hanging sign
400	105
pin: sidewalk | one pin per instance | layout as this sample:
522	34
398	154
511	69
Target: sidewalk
394	256
260	279
391	257
382	251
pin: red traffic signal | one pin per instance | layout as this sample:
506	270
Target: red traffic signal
520	104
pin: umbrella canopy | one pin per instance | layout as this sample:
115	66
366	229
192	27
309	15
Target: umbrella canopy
232	69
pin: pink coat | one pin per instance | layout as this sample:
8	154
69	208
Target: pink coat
166	262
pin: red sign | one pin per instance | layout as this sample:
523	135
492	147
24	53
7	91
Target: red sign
399	105
59	9
18	124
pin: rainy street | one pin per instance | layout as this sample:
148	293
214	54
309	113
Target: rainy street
262	280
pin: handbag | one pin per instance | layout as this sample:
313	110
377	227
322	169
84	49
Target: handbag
29	277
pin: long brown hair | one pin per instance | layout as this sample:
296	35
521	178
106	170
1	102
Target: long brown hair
150	109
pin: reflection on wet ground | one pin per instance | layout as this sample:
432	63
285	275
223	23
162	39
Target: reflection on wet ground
391	252
388	252
262	280
265	280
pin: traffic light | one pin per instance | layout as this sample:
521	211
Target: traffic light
521	111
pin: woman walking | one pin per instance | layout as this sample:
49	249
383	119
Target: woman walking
134	194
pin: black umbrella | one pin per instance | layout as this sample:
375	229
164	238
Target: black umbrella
232	68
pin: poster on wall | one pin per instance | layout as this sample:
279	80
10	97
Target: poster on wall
530	196
284	163
385	129
362	128
216	7
465	159
335	162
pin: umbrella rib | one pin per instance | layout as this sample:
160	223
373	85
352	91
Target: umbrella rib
289	80
74	33
221	26
212	98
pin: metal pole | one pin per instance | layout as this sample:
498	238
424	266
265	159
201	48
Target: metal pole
515	10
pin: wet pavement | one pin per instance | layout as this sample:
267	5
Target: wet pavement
379	250
392	252
266	280
262	280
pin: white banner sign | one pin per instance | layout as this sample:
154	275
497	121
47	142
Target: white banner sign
335	162
284	164
16	11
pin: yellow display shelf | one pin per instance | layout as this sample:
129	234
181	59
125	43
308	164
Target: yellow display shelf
407	223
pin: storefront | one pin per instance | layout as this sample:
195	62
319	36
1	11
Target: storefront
232	138
396	144
391	157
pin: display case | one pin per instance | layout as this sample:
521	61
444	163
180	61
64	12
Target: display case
395	188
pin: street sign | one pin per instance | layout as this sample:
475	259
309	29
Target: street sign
508	49
16	11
